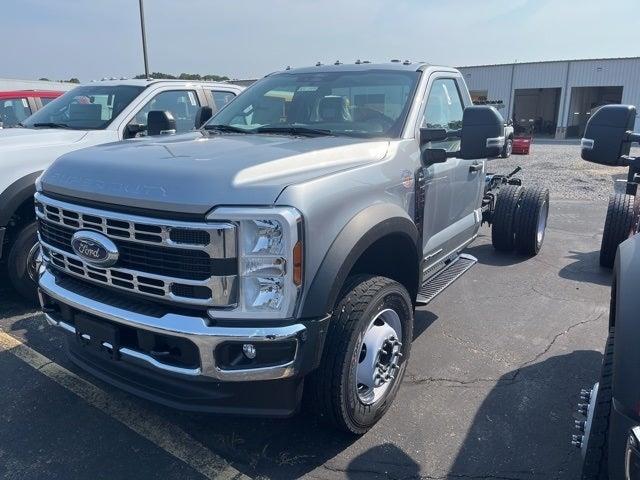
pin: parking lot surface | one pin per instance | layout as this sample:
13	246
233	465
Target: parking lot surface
497	363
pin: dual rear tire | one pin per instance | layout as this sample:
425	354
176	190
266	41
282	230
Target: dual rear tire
618	226
520	219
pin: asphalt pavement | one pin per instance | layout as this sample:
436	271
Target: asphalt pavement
496	366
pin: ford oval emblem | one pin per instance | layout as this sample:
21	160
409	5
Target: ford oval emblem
94	248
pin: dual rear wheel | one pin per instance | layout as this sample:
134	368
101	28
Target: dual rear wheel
618	226
520	219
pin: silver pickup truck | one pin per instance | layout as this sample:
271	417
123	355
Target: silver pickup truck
275	257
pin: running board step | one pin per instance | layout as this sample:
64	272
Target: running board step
439	282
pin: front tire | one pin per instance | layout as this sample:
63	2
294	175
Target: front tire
617	227
361	371
508	148
22	263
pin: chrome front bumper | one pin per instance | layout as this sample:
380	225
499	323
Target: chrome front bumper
194	328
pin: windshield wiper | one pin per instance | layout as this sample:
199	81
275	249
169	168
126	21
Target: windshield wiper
51	125
226	128
294	130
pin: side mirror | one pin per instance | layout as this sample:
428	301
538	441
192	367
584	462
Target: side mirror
606	137
432	135
433	155
202	115
160	123
132	129
482	134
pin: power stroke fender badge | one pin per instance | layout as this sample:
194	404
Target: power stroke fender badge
94	248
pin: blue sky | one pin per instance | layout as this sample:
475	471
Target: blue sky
249	38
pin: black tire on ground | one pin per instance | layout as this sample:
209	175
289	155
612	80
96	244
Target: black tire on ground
504	217
531	221
17	268
617	227
596	466
331	390
508	148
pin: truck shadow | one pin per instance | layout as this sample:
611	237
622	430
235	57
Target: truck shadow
383	462
524	426
12	304
586	268
487	255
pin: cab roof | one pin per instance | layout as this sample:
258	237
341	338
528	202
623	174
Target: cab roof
141	82
362	66
31	93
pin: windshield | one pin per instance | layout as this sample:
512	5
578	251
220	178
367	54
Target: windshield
370	103
90	107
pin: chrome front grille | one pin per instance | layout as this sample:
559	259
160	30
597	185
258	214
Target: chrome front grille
184	262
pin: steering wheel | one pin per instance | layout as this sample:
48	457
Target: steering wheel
367	114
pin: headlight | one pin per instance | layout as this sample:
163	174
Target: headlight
270	251
39	183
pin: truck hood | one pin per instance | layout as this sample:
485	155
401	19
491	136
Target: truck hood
194	172
21	138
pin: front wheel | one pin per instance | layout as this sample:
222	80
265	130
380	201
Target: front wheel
23	262
365	354
508	148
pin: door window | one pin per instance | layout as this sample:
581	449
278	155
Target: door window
13	111
444	110
182	104
221	98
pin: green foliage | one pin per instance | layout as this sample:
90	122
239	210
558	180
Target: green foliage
185	76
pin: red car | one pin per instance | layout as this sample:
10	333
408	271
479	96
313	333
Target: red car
17	105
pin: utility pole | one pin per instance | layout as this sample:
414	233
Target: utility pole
144	41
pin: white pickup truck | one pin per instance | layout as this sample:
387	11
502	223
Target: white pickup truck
88	115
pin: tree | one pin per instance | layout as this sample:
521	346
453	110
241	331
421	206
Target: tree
43	79
157	75
185	76
73	80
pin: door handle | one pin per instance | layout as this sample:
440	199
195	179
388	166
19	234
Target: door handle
475	167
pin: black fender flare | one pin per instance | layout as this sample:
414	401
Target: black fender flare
15	195
626	354
365	228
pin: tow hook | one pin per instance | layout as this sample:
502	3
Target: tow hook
585	409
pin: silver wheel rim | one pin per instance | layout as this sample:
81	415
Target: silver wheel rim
379	356
542	222
34	260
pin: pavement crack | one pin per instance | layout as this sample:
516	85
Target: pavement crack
391	476
505	380
40	367
554	340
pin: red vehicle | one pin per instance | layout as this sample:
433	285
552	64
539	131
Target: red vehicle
522	145
17	105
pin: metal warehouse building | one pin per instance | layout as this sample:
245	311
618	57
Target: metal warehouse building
555	99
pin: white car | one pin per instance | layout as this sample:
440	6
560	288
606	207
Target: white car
88	115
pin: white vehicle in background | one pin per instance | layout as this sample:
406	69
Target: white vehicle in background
88	115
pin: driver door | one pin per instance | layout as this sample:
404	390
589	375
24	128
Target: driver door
453	189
